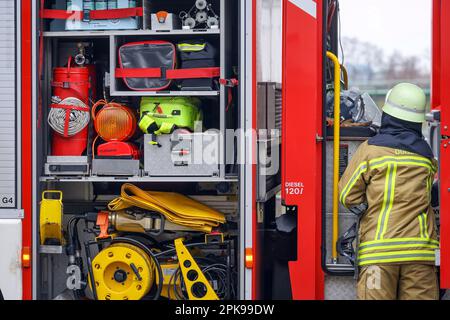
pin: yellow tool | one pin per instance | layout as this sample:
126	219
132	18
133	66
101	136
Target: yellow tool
169	287
176	208
336	152
123	272
50	221
197	286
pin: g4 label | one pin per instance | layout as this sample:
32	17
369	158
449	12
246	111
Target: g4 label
7	201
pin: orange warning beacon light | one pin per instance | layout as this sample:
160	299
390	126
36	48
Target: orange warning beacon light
162	16
113	122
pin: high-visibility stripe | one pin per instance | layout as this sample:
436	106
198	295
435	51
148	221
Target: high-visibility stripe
427	258
390	203
417	159
404	162
420	226
398	246
380	162
398	241
383	207
397	256
387	201
356	175
429	186
423	224
395	253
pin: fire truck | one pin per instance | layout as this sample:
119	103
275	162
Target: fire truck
106	105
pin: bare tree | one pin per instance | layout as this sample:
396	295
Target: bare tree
368	65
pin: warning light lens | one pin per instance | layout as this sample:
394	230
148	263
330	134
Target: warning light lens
115	123
249	258
26	257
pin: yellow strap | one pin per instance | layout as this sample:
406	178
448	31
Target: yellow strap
189	47
145	123
165	128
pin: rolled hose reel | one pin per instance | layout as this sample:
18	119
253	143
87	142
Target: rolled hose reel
123	271
78	119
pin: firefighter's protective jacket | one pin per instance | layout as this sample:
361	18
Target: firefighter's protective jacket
399	224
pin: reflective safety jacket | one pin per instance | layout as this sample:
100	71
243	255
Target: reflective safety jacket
399	224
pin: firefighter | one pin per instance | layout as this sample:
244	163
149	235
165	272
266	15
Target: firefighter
391	176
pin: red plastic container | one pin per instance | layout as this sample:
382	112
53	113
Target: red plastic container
76	82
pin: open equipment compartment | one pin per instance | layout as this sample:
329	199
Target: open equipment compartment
66	260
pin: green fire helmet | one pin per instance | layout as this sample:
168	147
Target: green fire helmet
407	102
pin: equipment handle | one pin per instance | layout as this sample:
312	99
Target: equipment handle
52	192
336	150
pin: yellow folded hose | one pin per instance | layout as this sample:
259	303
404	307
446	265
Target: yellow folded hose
175	207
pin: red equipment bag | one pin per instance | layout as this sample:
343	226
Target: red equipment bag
76	84
117	150
151	66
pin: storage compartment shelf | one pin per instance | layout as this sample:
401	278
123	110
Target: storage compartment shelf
107	33
135	179
165	93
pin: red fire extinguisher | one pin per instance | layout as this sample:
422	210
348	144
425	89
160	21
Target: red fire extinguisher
69	114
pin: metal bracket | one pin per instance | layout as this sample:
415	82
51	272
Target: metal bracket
12	214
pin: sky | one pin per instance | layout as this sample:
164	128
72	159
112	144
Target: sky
402	25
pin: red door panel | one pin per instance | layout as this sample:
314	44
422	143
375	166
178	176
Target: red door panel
302	152
441	101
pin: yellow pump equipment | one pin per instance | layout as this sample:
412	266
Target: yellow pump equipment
51	211
197	286
123	271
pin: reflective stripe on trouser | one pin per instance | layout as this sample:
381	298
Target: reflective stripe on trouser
402	282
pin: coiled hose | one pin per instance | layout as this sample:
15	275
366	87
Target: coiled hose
78	119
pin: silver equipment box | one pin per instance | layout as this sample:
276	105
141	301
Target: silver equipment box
170	23
115	167
67	166
182	155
